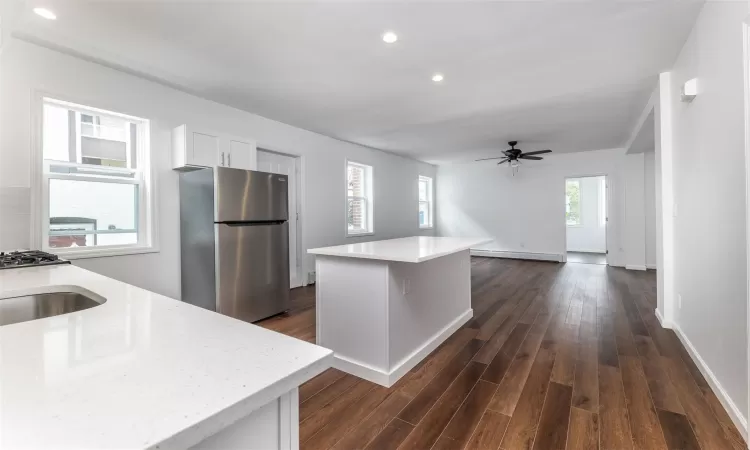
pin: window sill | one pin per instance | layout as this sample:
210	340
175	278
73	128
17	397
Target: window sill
101	252
427	228
364	233
574	226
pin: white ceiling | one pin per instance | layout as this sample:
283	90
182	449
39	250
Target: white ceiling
570	76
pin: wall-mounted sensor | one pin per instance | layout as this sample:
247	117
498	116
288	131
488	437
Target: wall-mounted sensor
689	90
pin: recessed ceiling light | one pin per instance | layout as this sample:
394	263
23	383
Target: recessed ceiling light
437	78
46	13
389	37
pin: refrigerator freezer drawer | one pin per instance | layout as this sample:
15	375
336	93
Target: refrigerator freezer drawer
253	270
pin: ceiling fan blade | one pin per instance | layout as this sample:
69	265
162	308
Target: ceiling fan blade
535	158
538	152
503	161
487	159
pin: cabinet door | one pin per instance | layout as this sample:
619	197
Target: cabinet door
241	154
206	150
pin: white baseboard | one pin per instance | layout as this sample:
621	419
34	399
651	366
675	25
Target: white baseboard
734	412
388	379
662	322
598	252
651	266
634	267
518	255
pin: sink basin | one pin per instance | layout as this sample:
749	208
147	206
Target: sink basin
38	306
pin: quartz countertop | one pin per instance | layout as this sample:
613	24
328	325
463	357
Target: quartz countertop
139	371
414	249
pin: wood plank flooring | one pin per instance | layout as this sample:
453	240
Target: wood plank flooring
557	356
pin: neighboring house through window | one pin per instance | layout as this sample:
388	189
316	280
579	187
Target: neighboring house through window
96	192
425	202
358	199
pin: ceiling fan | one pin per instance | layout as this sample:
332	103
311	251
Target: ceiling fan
513	154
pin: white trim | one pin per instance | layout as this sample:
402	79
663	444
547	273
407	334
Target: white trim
430	202
518	255
299	168
635	267
588	250
368	198
608	210
662	322
388	379
651	266
734	412
105	252
148	226
746	83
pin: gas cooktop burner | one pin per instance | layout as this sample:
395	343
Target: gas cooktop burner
31	258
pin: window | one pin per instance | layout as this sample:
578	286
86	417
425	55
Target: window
96	184
358	199
573	202
425	202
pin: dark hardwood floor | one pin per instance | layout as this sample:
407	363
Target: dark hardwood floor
557	356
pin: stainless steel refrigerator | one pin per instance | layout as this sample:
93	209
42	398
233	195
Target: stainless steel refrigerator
234	236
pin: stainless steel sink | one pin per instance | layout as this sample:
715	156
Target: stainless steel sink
38	306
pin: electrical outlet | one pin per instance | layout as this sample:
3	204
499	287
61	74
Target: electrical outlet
679	301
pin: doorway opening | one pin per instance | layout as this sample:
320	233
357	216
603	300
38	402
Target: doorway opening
288	165
586	219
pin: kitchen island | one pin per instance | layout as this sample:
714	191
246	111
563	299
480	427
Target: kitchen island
383	306
141	370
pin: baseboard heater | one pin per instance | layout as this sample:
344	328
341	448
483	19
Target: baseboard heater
517	255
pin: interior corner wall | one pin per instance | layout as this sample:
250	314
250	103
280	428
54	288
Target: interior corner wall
26	68
525	213
649	192
709	191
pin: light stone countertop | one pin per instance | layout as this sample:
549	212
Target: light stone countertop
139	371
414	249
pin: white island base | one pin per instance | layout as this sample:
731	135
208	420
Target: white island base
275	426
383	306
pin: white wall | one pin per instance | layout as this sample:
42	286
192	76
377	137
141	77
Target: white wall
635	218
526	212
649	181
25	68
709	190
590	236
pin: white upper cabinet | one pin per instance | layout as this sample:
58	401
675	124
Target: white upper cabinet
241	154
193	148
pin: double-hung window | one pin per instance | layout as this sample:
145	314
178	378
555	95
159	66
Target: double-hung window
96	193
425	202
358	199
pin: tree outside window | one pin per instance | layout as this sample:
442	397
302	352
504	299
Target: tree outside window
573	202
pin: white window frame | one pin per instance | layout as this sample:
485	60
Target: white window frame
142	177
430	202
368	199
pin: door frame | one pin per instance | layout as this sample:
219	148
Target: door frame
746	83
607	203
299	167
